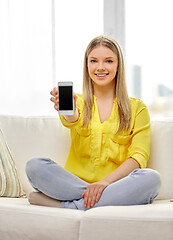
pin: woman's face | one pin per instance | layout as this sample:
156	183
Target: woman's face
102	66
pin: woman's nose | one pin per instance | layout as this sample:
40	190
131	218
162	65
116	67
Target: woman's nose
101	66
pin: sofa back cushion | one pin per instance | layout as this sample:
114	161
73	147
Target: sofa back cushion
30	137
161	157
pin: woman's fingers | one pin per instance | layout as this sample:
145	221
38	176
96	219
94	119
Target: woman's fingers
75	100
93	199
99	193
87	197
86	193
55	98
54	92
56	107
91	195
96	195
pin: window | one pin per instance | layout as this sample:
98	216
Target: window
76	23
144	32
149	50
26	56
43	42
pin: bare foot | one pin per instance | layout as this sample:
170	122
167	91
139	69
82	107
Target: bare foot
38	198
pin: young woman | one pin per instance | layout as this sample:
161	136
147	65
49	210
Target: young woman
110	142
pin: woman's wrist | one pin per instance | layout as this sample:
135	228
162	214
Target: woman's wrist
72	118
109	179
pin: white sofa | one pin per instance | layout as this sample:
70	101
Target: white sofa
29	137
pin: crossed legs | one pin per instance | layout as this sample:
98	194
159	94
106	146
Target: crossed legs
57	187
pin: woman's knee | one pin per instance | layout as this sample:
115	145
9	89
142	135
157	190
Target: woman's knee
150	182
152	178
35	165
149	177
31	166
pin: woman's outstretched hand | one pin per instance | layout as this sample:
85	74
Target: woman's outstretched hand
55	99
93	193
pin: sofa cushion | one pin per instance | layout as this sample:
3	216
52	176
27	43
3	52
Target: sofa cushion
20	220
150	221
9	181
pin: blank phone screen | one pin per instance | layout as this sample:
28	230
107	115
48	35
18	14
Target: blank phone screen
65	98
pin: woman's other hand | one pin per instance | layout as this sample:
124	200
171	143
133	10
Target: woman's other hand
93	193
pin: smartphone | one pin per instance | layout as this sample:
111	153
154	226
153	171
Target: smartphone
66	102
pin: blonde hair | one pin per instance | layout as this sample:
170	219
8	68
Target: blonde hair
123	101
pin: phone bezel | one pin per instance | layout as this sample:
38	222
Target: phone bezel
66	112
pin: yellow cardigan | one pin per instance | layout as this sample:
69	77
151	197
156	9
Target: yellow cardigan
96	150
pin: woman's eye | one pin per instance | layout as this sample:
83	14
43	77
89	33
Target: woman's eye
93	61
109	61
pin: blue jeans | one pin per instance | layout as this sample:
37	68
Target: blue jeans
140	187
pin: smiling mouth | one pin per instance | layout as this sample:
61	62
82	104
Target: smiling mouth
101	75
